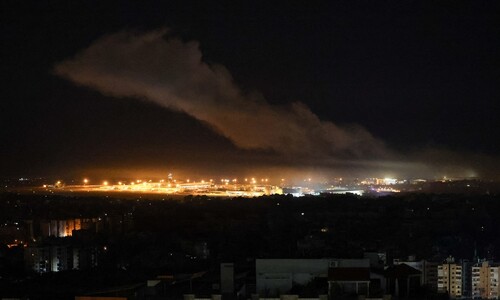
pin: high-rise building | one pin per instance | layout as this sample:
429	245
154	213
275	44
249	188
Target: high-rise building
59	257
485	278
59	228
450	278
49	258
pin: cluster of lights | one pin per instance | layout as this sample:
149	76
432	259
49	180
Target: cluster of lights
252	180
227	186
386	190
381	181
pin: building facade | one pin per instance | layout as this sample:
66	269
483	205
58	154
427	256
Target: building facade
450	279
59	257
277	276
485	277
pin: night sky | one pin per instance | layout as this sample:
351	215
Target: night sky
349	88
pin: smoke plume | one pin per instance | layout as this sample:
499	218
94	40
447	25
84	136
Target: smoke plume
168	71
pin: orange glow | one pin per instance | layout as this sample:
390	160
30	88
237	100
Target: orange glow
226	188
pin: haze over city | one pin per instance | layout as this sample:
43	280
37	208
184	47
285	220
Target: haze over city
393	90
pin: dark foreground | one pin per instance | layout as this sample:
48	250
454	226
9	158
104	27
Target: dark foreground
126	242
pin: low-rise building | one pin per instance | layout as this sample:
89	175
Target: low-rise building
278	276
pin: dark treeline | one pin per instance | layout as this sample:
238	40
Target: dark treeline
270	226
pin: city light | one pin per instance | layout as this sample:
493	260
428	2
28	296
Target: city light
226	187
250	187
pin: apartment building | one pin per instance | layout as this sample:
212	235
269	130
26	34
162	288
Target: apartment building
450	279
485	277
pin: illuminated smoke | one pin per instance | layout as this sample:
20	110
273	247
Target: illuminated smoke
172	73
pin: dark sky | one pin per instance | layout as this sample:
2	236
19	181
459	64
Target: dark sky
419	76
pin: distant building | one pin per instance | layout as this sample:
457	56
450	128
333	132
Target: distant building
57	257
64	227
50	258
85	258
59	228
277	276
485	281
67	227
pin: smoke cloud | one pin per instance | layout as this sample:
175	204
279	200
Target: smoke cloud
168	71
